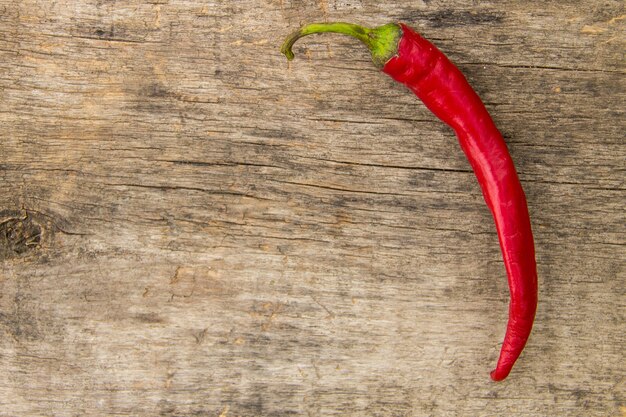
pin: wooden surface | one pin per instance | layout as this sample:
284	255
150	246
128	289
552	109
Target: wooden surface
191	226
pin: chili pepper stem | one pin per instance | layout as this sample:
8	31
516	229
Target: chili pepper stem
382	41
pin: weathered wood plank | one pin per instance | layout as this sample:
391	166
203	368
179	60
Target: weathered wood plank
191	226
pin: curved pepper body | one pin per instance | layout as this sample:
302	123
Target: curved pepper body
445	91
412	60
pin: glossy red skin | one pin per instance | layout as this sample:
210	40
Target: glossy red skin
445	91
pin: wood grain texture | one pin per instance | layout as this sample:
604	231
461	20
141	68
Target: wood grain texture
191	226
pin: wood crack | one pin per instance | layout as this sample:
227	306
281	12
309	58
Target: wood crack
392	166
226	164
541	67
348	190
185	188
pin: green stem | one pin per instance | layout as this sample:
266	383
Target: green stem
382	41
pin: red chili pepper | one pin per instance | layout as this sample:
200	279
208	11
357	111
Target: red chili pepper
412	60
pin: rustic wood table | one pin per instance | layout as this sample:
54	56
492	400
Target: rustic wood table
189	225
